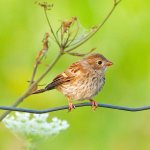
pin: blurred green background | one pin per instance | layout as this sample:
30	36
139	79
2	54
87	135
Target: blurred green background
124	40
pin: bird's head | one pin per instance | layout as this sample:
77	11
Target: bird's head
98	62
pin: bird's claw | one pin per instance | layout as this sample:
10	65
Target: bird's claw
70	107
94	104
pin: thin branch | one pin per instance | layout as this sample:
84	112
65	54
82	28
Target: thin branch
41	54
81	55
77	31
124	108
34	73
45	11
67	39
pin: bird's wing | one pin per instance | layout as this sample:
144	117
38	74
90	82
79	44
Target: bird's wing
60	79
69	75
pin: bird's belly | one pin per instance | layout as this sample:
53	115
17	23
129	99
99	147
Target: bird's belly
82	90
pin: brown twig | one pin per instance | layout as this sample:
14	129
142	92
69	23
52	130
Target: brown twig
51	29
81	55
73	39
39	56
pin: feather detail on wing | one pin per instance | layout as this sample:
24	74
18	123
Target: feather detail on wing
60	79
67	76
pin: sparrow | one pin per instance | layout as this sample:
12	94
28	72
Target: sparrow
82	80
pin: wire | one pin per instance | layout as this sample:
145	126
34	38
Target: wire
77	105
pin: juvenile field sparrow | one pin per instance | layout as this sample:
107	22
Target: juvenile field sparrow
82	80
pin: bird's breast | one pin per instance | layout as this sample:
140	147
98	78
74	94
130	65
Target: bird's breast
83	87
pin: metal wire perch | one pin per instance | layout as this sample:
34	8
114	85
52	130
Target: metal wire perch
124	108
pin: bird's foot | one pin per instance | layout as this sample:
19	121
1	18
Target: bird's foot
70	107
94	104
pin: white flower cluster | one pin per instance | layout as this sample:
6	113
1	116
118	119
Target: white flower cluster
34	125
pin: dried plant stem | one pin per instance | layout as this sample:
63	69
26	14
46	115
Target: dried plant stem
51	29
34	73
69	43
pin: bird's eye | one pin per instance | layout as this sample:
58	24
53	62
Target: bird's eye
99	62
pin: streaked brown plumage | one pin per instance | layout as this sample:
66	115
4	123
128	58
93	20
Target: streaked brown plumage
82	80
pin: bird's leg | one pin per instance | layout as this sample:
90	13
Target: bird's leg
70	105
94	104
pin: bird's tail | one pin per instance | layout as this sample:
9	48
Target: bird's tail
47	88
39	91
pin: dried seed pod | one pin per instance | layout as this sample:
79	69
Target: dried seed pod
67	23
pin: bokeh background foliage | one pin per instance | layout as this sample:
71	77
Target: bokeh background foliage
124	39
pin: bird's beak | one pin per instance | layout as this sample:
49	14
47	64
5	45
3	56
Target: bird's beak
109	63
